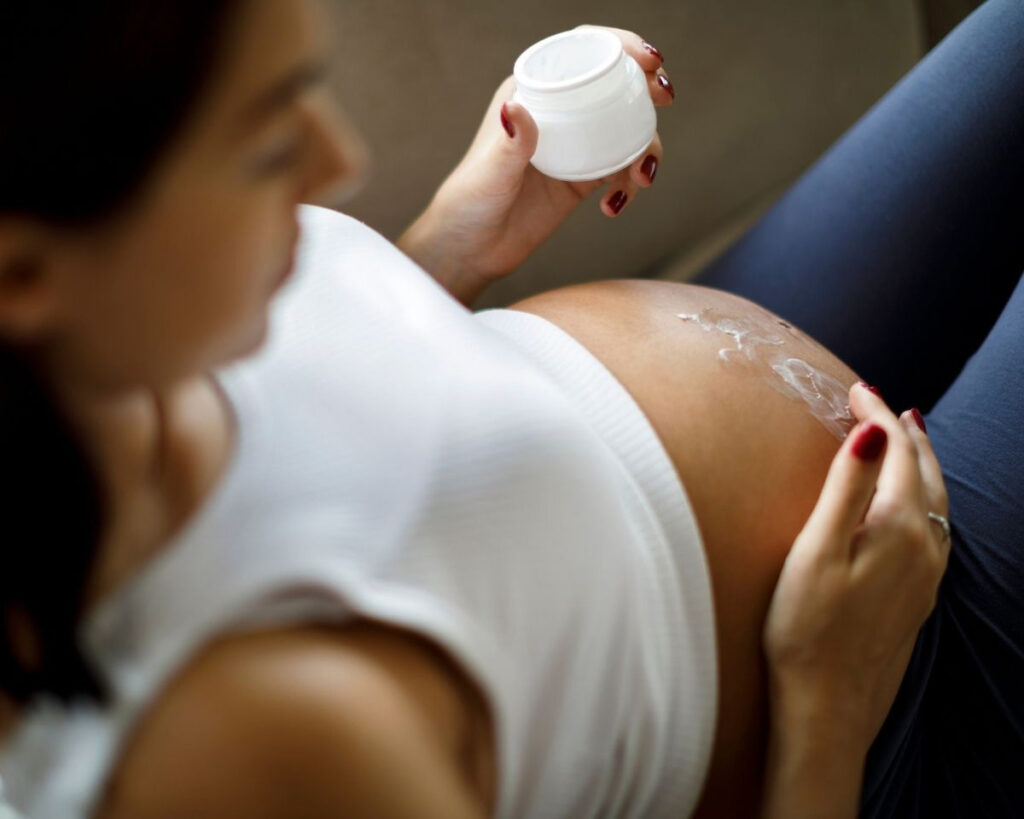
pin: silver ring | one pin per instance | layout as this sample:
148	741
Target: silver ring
943	522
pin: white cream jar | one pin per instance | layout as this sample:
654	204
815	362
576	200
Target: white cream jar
590	101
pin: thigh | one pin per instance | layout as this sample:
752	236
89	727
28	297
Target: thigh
899	247
958	723
752	460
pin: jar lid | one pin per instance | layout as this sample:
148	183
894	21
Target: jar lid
567	60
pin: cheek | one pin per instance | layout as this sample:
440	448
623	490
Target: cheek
203	302
224	299
191	288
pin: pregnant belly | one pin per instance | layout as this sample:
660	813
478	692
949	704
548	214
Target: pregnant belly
751	411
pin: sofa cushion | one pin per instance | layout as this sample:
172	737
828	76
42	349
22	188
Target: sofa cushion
761	90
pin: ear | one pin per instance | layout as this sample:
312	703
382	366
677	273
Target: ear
22	637
28	295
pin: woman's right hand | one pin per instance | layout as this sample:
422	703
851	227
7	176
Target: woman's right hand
860	580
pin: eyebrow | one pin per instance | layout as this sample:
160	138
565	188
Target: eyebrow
283	91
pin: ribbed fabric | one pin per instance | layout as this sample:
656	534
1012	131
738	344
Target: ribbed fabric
676	549
480	480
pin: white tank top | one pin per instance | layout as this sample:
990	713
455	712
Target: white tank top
402	458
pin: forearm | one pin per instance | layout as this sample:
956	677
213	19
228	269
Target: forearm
424	242
815	764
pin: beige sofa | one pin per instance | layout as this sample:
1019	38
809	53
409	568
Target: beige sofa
762	88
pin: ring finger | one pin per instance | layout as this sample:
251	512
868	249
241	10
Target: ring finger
935	494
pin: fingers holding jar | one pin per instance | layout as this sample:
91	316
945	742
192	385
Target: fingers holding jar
593	91
643	170
649	58
662	91
623	185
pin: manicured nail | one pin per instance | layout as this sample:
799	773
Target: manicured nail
649	167
663	81
870	443
617	200
509	127
915	413
653	50
869	388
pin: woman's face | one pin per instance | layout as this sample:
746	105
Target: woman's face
183	282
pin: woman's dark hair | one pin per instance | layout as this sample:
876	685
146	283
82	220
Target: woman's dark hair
94	93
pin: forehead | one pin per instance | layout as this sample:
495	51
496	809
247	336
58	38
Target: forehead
265	43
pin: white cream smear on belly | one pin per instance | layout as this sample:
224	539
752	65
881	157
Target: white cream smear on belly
758	347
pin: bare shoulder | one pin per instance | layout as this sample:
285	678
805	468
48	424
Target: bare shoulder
295	722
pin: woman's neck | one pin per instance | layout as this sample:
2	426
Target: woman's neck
157	453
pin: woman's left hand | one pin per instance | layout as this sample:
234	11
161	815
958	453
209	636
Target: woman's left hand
495	208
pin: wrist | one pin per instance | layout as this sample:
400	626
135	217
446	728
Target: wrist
815	764
801	735
834	712
417	242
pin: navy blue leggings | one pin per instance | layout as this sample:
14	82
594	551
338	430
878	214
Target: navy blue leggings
902	250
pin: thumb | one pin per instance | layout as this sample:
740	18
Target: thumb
518	134
849	486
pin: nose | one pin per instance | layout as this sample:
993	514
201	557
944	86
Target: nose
340	160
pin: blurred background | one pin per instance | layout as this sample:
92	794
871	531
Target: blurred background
762	88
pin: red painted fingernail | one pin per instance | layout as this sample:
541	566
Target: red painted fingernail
870	443
915	413
653	50
868	387
650	167
508	126
617	201
664	82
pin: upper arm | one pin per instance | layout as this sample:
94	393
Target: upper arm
289	729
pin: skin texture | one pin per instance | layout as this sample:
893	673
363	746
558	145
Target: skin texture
752	461
299	721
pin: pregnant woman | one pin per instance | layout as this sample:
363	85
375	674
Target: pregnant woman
307	537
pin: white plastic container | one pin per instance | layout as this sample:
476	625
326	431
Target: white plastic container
590	101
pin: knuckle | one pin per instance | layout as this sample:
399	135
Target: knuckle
908	529
905	443
887	511
914	533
